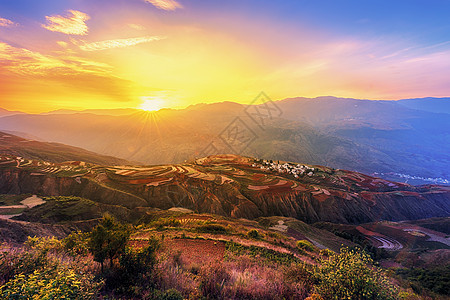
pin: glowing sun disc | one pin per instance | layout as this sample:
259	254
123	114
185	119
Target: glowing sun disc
151	104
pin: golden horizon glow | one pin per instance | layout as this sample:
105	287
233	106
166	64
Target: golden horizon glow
151	104
94	56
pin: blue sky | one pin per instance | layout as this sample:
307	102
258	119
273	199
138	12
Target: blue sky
211	50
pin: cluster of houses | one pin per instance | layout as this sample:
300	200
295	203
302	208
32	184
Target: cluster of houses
296	170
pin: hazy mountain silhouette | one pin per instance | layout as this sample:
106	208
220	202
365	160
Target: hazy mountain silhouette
51	152
361	135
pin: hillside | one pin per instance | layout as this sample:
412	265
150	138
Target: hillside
233	186
437	105
220	227
51	152
178	254
412	133
398	140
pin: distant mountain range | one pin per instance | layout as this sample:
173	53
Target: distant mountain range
409	137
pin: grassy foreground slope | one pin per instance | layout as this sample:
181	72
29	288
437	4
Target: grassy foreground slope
182	255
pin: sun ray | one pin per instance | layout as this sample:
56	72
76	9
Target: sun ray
151	103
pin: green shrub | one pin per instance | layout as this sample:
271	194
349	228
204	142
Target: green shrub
135	262
108	240
326	252
16	262
305	245
44	243
171	294
261	252
166	222
76	243
58	283
134	272
351	275
211	228
254	234
434	279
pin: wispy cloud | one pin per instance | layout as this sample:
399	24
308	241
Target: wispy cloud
118	43
136	26
6	23
165	4
74	23
62	74
25	62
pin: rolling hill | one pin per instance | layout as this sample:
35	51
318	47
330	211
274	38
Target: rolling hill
396	140
222	219
51	152
233	186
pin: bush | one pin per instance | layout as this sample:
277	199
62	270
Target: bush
134	273
16	262
351	275
166	222
254	234
135	262
171	294
76	243
50	284
108	240
44	243
434	279
305	245
326	252
212	228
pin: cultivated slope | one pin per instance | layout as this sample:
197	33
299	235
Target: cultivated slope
405	137
233	186
51	152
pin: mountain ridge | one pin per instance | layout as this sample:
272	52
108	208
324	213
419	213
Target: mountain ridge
233	186
372	137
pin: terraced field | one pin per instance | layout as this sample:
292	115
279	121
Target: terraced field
221	169
66	169
394	236
240	187
16	208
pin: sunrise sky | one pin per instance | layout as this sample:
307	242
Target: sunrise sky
81	54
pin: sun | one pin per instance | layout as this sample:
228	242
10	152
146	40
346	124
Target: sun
151	103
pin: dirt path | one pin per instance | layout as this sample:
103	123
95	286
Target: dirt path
388	243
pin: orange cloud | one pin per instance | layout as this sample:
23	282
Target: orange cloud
118	43
73	23
6	23
54	79
165	4
26	62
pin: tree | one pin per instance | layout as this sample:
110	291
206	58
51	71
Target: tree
108	240
139	261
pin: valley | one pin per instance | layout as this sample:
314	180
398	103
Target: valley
223	210
233	186
372	137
